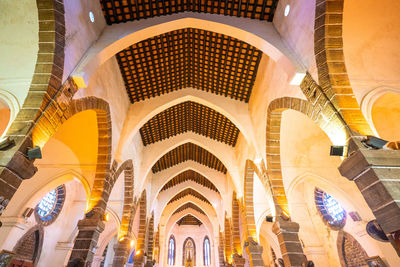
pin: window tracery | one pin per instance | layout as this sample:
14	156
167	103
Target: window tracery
171	251
50	205
330	209
207	252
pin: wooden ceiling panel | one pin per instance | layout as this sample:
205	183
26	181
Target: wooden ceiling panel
189	57
189	220
189	116
117	11
189	205
188	151
187	192
190	175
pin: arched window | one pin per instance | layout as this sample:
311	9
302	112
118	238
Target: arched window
207	251
171	251
50	205
189	252
330	210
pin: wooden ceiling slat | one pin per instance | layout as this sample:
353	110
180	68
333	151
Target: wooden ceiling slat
188	151
189	116
190	192
189	220
190	175
189	205
189	57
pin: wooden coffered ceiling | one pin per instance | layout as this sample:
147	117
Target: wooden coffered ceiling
117	11
189	116
189	57
189	220
188	151
189	205
190	175
187	192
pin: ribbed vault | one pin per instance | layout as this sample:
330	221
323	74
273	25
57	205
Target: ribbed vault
189	57
189	116
187	192
117	11
190	175
188	151
189	205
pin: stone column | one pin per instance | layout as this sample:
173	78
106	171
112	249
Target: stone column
139	260
289	242
376	173
89	230
254	250
121	251
238	260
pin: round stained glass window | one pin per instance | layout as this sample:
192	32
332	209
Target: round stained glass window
330	210
50	205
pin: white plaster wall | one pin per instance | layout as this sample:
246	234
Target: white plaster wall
19	42
81	33
197	233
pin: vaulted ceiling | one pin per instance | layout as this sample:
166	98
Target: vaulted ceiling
117	11
189	116
188	151
189	57
190	175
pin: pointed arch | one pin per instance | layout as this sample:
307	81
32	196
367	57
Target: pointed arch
185	244
29	246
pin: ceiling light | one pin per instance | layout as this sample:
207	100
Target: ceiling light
287	10
91	16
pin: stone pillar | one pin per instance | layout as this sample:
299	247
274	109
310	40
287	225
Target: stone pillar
139	260
121	251
89	230
254	250
238	260
289	242
376	173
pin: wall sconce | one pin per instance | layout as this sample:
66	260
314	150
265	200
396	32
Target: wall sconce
337	151
34	153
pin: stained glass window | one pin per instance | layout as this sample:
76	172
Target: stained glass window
171	251
50	205
331	211
207	252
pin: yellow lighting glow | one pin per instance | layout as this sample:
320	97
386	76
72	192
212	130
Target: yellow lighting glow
122	239
138	252
107	217
132	243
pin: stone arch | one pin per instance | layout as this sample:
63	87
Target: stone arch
119	36
351	253
237	247
274	168
46	82
127	214
228	240
194	250
29	246
332	73
141	240
251	229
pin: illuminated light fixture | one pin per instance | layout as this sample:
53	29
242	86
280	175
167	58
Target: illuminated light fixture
132	243
337	151
91	16
287	10
122	239
34	153
6	143
297	78
107	217
269	219
138	252
285	215
257	160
